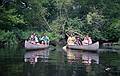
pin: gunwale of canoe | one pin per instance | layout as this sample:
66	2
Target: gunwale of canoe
30	46
93	47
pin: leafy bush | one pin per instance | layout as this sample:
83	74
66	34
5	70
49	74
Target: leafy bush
54	36
8	38
26	34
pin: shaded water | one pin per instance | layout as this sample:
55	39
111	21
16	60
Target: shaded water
57	62
11	61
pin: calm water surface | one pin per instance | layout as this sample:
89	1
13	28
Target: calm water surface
58	62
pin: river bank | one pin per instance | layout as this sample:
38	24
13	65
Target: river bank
11	38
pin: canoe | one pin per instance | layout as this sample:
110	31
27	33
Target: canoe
92	47
30	46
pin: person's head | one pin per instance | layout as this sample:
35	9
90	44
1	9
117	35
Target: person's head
34	34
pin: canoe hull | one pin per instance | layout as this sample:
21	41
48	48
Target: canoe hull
92	47
30	46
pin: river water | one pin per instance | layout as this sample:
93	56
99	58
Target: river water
58	62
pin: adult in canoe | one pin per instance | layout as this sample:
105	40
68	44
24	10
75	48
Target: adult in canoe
45	39
86	44
78	40
71	40
34	38
31	46
87	40
91	47
34	43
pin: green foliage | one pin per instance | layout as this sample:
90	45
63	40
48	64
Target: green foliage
8	38
22	34
76	23
113	30
94	17
54	36
9	18
58	24
96	35
35	14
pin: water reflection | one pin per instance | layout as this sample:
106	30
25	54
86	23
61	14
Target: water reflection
49	63
65	63
58	63
11	61
33	56
84	57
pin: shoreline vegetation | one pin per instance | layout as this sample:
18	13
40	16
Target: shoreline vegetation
56	17
18	38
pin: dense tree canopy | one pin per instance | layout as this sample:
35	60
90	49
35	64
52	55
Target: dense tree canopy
99	18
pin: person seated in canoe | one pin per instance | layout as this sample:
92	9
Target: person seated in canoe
39	39
71	40
45	39
87	40
32	38
78	40
36	39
